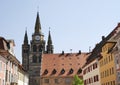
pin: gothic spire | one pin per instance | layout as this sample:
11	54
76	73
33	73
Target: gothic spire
49	39
49	44
37	24
26	38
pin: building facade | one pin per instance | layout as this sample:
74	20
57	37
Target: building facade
116	52
23	77
10	65
91	74
2	69
107	65
59	69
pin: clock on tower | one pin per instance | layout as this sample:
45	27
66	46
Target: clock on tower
37	37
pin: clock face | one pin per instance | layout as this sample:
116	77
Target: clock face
37	37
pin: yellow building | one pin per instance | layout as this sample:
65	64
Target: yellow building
107	65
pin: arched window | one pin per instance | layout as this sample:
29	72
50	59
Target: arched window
39	58
40	48
34	48
34	59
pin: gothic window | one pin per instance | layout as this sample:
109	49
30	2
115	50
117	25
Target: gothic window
39	58
25	51
34	48
40	48
34	59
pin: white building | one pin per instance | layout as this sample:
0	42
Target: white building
91	74
23	77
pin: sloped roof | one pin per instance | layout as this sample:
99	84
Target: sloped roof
7	55
67	64
98	48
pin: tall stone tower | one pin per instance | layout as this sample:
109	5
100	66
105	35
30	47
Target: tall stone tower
32	54
25	52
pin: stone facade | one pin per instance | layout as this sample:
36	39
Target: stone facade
32	53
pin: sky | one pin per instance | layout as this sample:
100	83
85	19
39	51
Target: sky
75	24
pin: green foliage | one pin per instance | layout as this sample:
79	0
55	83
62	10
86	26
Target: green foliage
77	81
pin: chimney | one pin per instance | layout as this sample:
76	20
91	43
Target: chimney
79	52
103	37
118	24
62	52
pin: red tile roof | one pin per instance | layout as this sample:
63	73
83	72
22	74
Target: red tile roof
62	64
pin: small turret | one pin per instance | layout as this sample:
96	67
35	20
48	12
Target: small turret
25	52
26	38
49	44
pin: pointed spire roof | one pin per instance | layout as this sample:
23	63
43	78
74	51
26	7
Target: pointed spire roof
37	24
26	38
49	38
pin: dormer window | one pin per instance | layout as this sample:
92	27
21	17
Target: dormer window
79	71
62	71
54	71
45	72
71	71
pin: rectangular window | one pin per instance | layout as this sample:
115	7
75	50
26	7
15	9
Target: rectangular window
9	76
112	70
94	79
85	83
68	80
97	78
109	58
46	81
113	82
105	73
0	66
6	75
3	82
56	81
0	82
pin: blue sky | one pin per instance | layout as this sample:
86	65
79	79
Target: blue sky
75	24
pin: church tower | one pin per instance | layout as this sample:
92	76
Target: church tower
25	52
32	54
37	48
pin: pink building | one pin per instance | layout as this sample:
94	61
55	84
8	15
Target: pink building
2	69
8	63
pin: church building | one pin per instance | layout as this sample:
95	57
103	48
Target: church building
46	67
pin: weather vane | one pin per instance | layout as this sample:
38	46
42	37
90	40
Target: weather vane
38	8
49	28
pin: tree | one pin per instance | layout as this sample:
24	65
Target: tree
77	81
